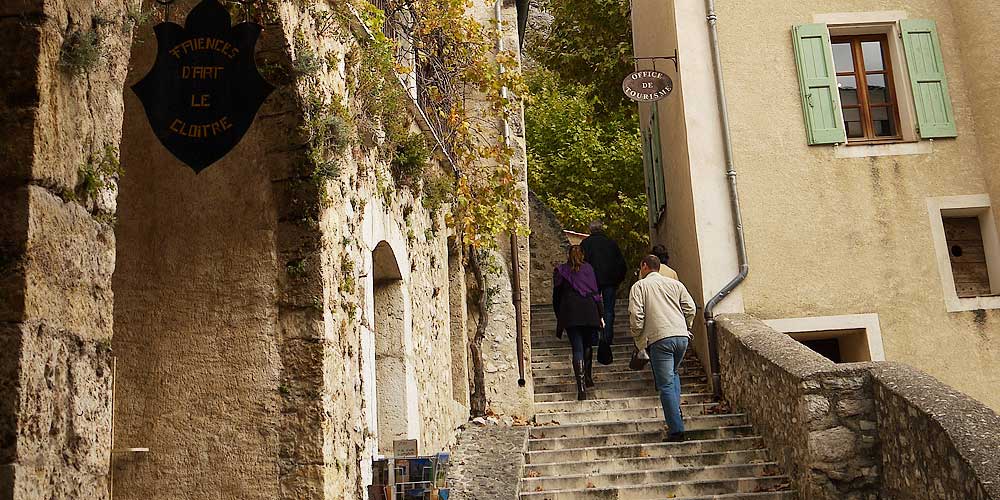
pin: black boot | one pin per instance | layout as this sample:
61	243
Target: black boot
588	367
581	391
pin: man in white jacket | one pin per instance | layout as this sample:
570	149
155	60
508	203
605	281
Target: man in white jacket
661	312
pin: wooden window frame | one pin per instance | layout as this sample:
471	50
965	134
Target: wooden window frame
861	78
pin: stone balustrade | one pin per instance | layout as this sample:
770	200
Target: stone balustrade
858	430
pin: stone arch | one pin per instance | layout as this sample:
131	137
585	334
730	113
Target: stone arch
393	413
391	397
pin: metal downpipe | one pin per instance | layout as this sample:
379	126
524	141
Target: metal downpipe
734	201
514	255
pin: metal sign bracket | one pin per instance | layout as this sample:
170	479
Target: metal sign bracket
675	58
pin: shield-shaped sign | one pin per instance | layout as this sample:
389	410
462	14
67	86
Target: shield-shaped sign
204	89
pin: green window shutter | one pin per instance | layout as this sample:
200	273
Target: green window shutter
930	85
657	150
647	163
818	84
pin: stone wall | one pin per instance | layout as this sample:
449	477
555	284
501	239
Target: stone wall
56	249
818	417
936	442
487	461
246	323
847	431
548	249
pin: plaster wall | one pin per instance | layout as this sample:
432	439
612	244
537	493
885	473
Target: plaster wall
828	234
977	24
695	227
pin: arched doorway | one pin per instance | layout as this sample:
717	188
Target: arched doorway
392	404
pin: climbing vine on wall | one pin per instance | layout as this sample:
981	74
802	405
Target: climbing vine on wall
456	78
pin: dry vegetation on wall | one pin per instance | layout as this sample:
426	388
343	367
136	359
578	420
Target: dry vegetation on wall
349	66
460	91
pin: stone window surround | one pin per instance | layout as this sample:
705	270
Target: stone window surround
867	322
965	205
887	22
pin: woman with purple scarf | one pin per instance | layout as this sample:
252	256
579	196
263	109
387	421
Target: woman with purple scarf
579	310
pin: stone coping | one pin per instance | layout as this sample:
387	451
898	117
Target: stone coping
970	430
783	351
972	427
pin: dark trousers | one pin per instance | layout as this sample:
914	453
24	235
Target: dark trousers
610	295
581	338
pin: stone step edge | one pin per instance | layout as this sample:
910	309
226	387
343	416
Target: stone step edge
740	496
656	406
697	468
636	421
620	434
641	445
638	396
620	489
609	400
584	463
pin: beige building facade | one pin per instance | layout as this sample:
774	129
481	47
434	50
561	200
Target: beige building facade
864	138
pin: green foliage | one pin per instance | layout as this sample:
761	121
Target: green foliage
588	43
81	51
328	129
306	64
437	190
136	16
100	172
296	268
411	159
586	164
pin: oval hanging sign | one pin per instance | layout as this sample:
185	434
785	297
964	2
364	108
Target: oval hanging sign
647	86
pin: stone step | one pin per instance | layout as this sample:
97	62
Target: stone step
647	425
612	415
545	338
644	450
623	349
650	401
640	384
669	475
564	367
688	376
759	455
607	391
758	489
709	488
653	436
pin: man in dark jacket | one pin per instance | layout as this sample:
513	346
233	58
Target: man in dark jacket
606	257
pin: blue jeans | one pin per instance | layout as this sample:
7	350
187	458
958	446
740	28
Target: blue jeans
609	294
581	338
665	356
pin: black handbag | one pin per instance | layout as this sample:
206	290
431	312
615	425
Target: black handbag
604	354
639	360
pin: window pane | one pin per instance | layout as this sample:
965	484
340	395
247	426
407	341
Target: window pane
843	59
852	121
877	90
848	86
873	56
884	121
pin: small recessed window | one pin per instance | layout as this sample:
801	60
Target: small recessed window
968	256
839	346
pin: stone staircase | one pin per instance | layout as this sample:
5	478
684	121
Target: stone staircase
609	447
